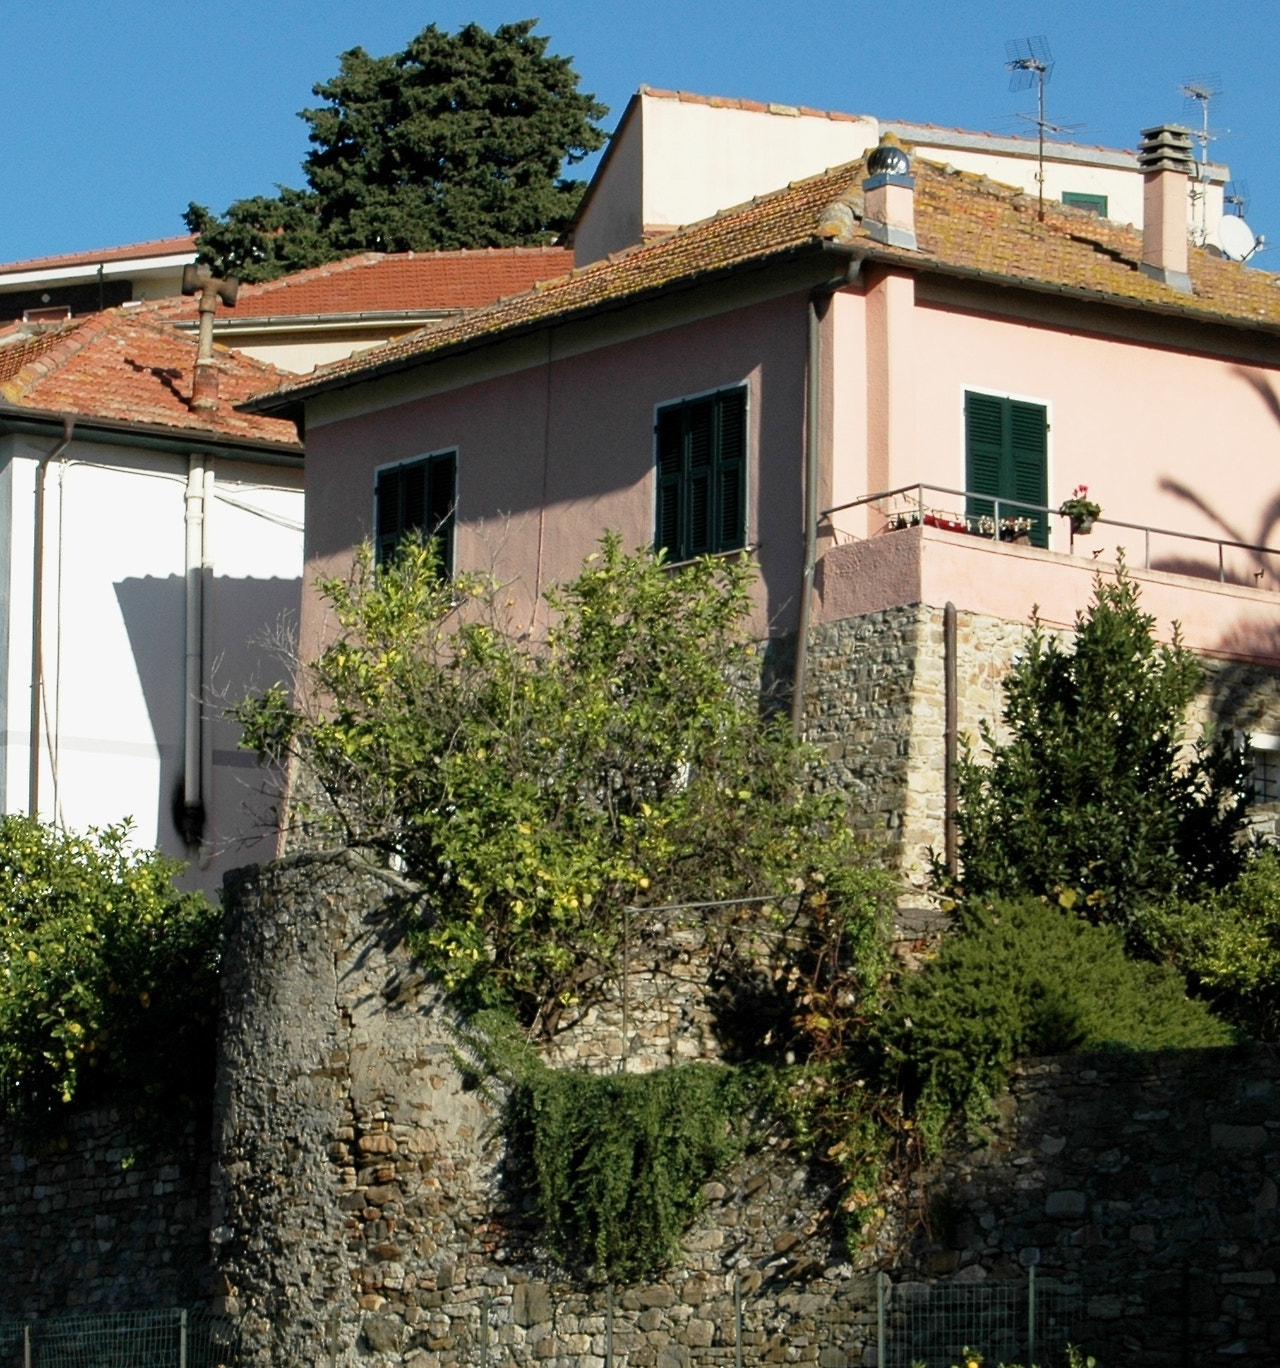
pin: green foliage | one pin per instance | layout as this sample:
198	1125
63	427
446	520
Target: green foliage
537	789
457	141
619	1160
1025	978
1091	800
109	987
1228	945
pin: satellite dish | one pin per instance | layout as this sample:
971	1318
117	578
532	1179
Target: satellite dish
1236	238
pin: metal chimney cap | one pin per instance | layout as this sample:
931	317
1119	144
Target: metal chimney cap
889	159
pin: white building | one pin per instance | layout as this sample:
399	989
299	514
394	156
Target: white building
676	158
144	545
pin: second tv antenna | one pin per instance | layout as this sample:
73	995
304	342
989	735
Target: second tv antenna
1029	63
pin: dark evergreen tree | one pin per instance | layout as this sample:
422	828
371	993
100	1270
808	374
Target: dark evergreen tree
1094	800
458	141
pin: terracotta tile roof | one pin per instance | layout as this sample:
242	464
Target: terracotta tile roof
965	224
398	283
172	246
123	367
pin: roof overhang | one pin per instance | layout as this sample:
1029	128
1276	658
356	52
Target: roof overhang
292	404
149	436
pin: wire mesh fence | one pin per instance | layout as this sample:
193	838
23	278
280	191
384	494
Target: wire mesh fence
1006	1322
124	1339
900	1325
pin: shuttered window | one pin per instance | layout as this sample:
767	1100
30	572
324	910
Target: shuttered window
1007	457
702	475
417	496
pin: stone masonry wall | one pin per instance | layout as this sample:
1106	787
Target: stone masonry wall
876	709
92	1225
1147	1181
364	1211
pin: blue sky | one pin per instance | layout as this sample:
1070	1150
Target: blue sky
118	112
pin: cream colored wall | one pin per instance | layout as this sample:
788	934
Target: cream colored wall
1122	188
614	218
300	353
700	158
113	639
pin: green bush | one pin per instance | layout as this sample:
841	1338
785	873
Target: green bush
1025	978
1092	799
537	787
109	984
1228	945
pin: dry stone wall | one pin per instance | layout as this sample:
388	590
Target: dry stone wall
1149	1182
876	709
94	1224
365	1209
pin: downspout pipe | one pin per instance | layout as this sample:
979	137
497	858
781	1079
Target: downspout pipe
819	301
191	815
37	618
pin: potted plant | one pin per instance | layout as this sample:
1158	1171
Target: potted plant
1082	511
1015	529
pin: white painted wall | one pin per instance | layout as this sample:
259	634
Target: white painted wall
679	161
113	640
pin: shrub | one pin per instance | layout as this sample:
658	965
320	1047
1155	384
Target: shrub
1025	978
109	985
1092	800
537	788
1228	945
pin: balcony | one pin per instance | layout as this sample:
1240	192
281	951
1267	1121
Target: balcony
927	544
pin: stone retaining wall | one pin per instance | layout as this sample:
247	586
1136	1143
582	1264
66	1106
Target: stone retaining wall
1150	1181
875	707
364	1207
91	1224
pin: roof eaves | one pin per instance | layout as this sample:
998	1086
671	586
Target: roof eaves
19	418
1169	309
289	403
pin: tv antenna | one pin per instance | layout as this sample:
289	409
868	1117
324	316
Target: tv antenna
1199	93
1029	62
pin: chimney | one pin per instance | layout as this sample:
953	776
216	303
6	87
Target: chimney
200	280
889	208
1166	159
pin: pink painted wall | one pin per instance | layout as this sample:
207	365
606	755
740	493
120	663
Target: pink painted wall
1164	432
580	429
925	565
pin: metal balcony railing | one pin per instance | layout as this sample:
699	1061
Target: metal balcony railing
1017	520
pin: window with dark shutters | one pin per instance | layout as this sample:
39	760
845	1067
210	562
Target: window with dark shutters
417	496
702	475
1006	450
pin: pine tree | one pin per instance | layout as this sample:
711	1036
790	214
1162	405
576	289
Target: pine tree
1094	800
457	141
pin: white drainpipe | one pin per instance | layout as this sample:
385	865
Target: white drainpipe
192	815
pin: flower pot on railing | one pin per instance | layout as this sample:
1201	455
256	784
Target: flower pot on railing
1082	511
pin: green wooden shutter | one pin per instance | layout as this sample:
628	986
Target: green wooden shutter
700	447
670	472
731	472
1029	465
441	497
984	445
387	514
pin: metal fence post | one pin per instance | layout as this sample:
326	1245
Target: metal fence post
484	1330
737	1320
882	1280
1031	1314
608	1325
182	1339
333	1338
26	1346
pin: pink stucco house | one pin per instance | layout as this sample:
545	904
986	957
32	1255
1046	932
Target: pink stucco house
878	383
